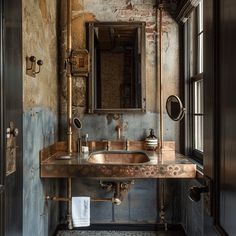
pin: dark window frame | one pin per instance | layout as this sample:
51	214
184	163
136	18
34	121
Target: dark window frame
192	75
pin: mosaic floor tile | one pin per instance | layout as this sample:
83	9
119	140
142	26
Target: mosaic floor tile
117	233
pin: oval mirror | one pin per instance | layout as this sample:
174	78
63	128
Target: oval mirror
174	108
77	123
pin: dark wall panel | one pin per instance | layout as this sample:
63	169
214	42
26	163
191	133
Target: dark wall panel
2	145
210	90
220	112
228	116
12	76
209	86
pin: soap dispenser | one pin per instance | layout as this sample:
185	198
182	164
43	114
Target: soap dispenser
85	148
151	142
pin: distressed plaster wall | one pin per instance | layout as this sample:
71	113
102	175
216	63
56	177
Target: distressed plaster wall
40	118
94	10
142	202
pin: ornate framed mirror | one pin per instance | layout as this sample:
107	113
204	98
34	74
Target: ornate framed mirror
117	74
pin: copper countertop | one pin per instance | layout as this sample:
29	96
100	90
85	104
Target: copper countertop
162	164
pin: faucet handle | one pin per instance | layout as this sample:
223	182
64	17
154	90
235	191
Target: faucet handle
127	144
108	145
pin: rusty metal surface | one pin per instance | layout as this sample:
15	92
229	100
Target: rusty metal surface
162	164
10	156
11	147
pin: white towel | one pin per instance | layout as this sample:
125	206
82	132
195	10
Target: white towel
81	211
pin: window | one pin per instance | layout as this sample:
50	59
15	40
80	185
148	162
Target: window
194	61
197	114
200	37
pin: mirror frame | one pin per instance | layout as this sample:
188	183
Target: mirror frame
91	85
182	109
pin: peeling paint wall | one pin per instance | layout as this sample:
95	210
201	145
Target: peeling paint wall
142	202
40	118
94	10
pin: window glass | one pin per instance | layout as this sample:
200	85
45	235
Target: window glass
200	53
198	133
198	97
200	17
198	114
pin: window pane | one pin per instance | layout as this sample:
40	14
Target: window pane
198	97
198	133
200	53
200	17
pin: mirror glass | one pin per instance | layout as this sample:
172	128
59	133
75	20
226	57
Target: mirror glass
117	70
174	108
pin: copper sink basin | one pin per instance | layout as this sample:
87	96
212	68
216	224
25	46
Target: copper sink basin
118	157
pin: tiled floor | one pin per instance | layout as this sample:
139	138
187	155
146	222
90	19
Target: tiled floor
118	233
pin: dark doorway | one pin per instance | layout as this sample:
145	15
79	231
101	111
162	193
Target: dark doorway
11	178
219	122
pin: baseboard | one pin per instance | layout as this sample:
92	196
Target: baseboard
127	227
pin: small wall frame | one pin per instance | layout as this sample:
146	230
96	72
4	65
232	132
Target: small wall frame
80	65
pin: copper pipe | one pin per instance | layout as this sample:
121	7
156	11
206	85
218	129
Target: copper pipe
69	195
69	78
160	76
162	200
59	199
69	109
102	199
69	13
160	86
63	199
117	190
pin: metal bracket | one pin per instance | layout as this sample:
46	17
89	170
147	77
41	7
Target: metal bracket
196	192
11	134
79	63
31	66
208	196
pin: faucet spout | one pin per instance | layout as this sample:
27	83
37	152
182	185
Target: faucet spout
118	129
108	145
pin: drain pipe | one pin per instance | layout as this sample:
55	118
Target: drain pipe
69	79
161	192
159	75
64	199
69	109
119	188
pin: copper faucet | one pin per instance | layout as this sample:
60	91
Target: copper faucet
108	145
118	129
127	145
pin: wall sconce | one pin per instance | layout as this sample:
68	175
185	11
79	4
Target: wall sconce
31	66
